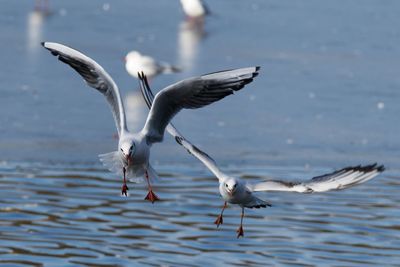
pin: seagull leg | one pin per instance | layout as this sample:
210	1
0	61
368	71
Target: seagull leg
125	188
240	229
219	219
150	195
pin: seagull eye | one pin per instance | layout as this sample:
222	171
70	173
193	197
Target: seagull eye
121	150
131	148
226	185
234	185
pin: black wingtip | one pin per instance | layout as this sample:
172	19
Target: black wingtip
367	168
178	139
43	44
258	68
381	168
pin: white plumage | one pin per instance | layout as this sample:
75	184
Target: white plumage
194	8
235	191
132	157
135	63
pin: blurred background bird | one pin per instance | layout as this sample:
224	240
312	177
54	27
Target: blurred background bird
135	62
194	8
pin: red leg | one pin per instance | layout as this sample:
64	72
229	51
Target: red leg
240	229
125	188
150	195
219	219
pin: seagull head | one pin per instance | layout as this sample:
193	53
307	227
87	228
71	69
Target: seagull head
127	149
231	186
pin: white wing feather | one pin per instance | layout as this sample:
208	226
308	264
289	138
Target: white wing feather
193	93
94	75
337	180
192	149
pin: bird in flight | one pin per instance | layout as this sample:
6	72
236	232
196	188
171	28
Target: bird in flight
236	191
132	157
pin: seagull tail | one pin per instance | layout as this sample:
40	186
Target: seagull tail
112	162
153	176
168	68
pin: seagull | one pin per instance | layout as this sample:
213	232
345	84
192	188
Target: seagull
135	62
132	157
194	8
236	191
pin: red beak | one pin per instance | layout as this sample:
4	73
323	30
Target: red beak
128	158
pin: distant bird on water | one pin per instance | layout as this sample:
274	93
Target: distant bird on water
194	8
236	191
135	62
132	157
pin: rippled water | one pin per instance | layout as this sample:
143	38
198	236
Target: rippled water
71	215
327	96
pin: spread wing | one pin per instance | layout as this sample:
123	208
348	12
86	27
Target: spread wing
192	149
94	75
341	179
193	93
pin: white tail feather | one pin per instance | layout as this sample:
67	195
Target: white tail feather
112	161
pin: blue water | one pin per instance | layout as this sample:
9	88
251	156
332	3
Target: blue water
327	97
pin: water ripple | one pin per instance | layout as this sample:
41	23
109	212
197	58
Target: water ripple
73	215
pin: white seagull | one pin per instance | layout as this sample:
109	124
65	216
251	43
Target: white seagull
132	157
236	191
135	62
194	8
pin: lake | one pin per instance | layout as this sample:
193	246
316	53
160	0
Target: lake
327	97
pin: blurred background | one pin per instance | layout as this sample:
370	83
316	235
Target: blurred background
327	96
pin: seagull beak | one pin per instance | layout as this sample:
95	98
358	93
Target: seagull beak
230	193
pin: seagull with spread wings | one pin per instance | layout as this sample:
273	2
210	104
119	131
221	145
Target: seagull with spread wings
132	157
236	191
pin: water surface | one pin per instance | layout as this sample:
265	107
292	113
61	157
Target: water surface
327	97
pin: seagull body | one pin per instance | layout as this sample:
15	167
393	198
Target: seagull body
236	191
194	8
135	63
132	157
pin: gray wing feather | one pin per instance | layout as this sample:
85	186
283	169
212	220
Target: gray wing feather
94	75
341	179
192	149
193	93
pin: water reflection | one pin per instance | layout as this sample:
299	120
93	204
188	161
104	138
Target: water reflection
35	22
191	32
136	110
73	214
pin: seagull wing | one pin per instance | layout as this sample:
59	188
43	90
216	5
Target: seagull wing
193	93
341	179
192	149
94	75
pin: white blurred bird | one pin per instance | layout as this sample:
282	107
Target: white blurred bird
236	191
132	157
194	8
135	63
